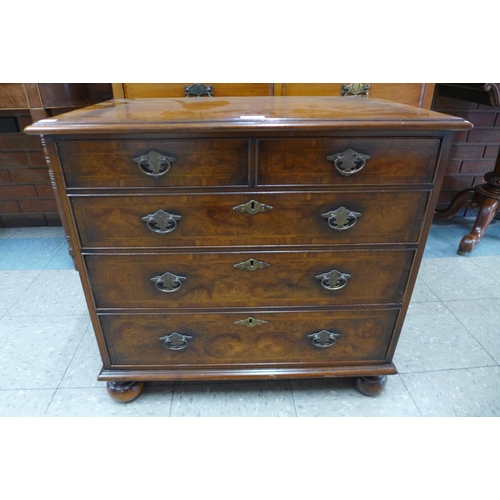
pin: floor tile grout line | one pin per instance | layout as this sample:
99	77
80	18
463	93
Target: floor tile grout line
24	291
67	368
449	369
470	332
410	394
293	398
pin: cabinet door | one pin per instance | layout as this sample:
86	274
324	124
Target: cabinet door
415	94
160	90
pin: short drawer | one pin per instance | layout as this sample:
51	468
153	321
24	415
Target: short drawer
167	163
256	279
293	218
275	338
352	161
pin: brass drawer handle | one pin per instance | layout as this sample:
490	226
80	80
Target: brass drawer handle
333	280
341	219
161	222
252	207
252	265
175	341
348	162
168	282
198	89
154	164
324	338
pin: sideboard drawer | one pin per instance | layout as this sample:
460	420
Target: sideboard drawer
217	339
162	90
384	161
257	279
196	163
293	218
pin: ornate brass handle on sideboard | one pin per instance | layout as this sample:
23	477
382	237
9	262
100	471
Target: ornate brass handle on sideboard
161	222
341	219
168	282
154	164
324	338
348	162
198	89
333	280
175	341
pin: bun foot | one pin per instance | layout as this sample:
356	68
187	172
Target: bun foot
123	392
371	386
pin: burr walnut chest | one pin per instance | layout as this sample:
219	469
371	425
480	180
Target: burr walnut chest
245	238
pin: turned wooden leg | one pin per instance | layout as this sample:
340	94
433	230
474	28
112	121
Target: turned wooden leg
488	207
123	392
460	200
371	386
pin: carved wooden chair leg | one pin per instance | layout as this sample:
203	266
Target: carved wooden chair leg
488	208
460	200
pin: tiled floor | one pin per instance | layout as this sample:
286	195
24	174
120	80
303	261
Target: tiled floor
448	356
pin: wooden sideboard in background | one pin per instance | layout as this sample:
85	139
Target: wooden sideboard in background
415	94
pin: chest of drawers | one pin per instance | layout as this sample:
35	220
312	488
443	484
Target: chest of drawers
242	238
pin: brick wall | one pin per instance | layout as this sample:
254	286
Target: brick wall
473	152
26	196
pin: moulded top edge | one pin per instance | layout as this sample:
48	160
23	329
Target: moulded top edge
245	113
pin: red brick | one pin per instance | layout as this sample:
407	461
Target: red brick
478	118
38	205
15	192
24	220
465	151
445	197
460	136
4	177
19	159
477	166
30	176
491	152
453	167
485	135
448	104
53	219
37	159
45	191
9	206
24	121
457	182
20	142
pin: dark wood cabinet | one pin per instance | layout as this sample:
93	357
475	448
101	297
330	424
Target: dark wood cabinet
250	237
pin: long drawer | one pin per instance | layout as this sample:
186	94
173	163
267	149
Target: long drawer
347	161
293	218
148	163
257	279
276	338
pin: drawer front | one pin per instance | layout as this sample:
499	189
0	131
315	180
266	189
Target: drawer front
257	279
405	93
383	161
211	220
160	90
172	163
277	338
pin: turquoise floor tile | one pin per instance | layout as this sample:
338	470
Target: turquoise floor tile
61	260
29	253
